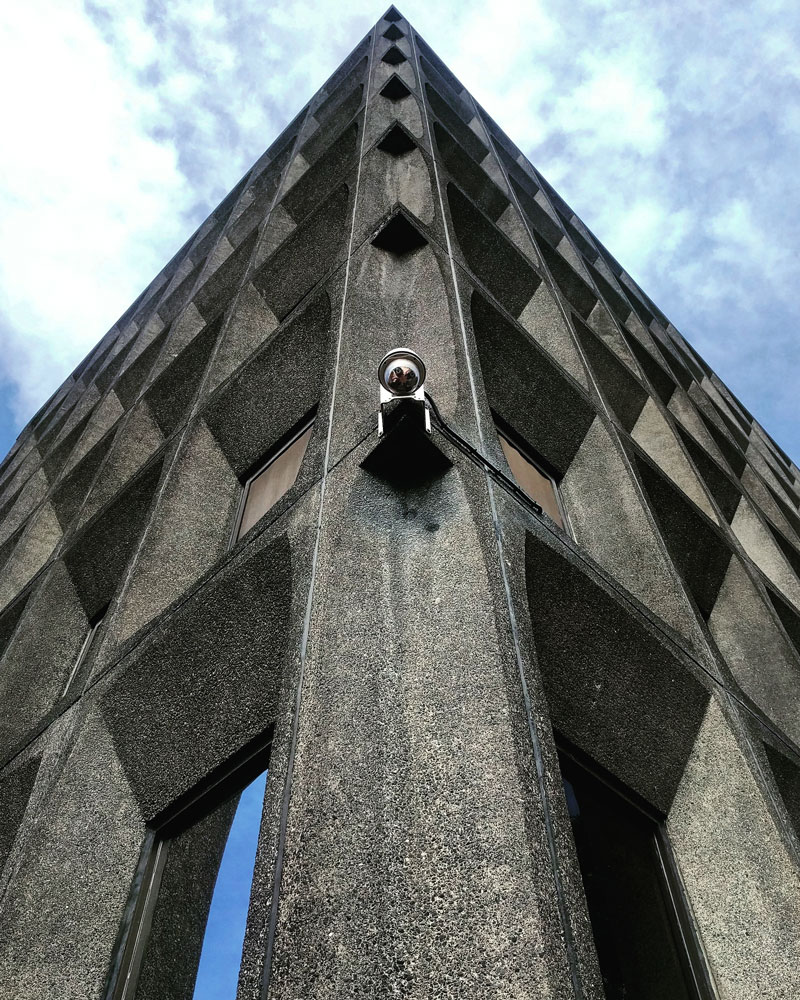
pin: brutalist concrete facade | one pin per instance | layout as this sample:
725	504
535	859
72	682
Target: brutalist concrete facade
409	645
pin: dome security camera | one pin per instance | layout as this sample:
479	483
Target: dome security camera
401	374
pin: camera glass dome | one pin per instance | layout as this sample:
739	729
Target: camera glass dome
402	378
401	372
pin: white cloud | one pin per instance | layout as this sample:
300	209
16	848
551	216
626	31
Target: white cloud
647	232
615	105
742	238
141	48
82	187
670	129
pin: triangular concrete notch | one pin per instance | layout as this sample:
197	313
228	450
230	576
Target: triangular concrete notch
406	456
399	236
395	89
397	142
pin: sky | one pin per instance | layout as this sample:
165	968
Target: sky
671	128
221	954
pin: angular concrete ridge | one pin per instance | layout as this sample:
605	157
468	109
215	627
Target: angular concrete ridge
526	689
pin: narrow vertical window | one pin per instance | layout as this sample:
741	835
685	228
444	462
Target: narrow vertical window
221	954
274	478
94	625
531	477
186	935
640	922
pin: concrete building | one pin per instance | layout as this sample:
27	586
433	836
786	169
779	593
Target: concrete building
527	687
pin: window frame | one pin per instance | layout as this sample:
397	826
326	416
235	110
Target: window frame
692	955
222	783
504	430
272	455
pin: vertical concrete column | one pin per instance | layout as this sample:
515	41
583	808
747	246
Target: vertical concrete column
413	855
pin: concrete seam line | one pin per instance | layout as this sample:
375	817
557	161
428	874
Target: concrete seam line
569	944
287	791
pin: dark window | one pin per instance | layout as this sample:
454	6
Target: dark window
94	625
275	478
192	894
641	926
532	478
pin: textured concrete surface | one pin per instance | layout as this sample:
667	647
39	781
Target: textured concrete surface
195	509
19	506
505	272
527	389
138	441
609	521
38	661
16	785
102	419
412	309
68	497
699	552
777	510
653	433
761	660
389	179
32	551
60	913
407	818
270	394
786	773
211	681
97	558
742	884
612	686
761	548
542	319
